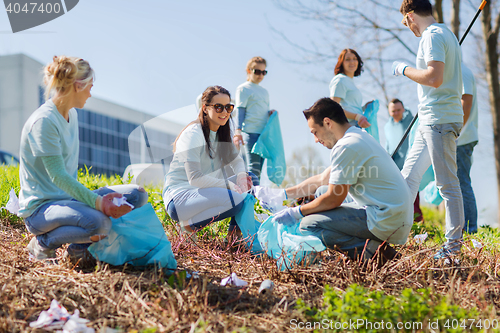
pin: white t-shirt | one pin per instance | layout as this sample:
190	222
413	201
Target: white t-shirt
469	132
357	159
440	105
46	133
255	99
343	86
192	147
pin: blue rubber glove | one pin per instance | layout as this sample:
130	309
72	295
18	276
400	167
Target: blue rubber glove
398	68
289	216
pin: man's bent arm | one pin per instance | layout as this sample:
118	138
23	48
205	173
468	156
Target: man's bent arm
309	186
331	199
467	106
432	76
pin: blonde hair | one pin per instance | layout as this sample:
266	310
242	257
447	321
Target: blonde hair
255	60
63	72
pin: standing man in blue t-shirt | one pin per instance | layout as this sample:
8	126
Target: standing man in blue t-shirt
399	120
439	78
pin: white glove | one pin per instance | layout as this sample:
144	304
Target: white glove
398	68
270	198
289	216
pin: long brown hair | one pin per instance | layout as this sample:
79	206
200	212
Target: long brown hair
339	68
223	133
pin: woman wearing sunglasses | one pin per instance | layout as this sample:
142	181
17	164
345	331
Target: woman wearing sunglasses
252	102
197	190
344	91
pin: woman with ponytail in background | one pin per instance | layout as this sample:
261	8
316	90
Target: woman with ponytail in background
57	208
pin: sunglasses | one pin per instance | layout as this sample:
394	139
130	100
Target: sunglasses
259	72
405	18
219	107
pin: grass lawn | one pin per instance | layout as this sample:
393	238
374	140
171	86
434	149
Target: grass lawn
413	294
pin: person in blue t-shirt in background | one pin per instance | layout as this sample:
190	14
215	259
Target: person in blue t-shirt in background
252	103
399	120
344	91
465	146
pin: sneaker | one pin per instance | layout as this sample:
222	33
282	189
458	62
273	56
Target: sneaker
78	254
40	253
446	253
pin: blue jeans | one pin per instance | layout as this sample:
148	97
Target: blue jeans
344	227
70	221
436	145
464	163
204	206
254	161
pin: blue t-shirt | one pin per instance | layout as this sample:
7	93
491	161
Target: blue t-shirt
256	101
46	133
357	159
469	132
394	132
342	86
440	105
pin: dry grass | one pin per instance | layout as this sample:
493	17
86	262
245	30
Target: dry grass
129	298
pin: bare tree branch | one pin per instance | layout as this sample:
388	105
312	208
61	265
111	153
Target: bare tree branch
377	26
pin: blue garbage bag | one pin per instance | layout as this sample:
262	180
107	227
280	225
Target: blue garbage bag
371	115
431	194
248	225
270	146
287	244
138	239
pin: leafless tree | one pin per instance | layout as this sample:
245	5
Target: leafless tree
491	28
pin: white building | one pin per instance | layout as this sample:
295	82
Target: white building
107	130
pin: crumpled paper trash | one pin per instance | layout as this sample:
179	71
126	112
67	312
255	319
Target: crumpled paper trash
420	239
122	201
268	202
233	280
13	203
477	244
57	317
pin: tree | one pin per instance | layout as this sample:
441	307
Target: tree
490	36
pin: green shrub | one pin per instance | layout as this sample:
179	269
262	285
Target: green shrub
361	310
9	179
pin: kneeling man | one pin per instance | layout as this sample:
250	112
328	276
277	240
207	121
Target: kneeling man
381	209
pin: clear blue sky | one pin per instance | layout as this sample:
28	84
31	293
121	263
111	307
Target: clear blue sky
158	56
